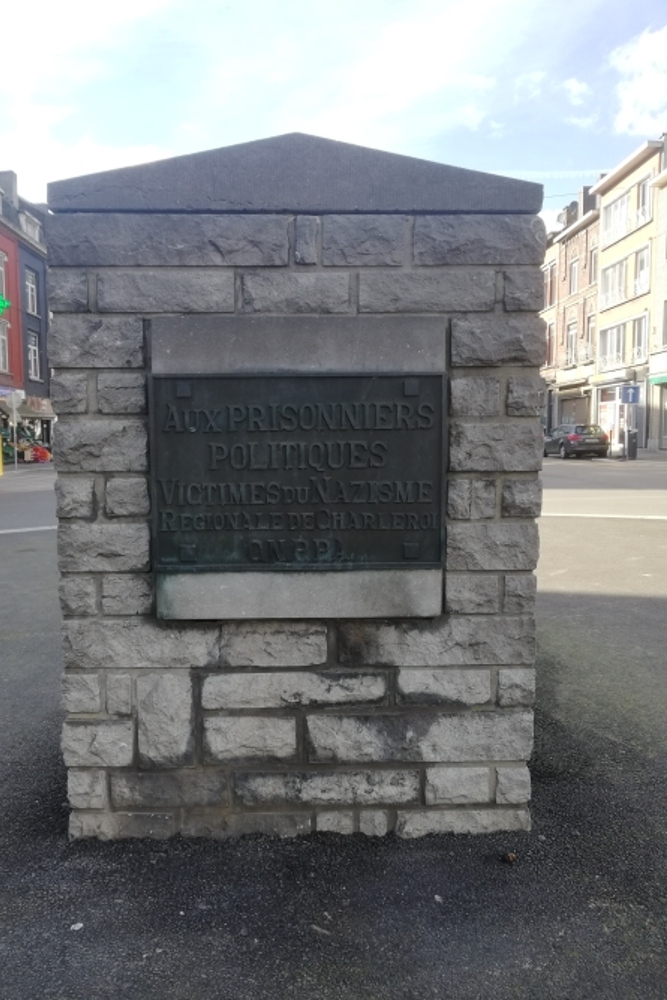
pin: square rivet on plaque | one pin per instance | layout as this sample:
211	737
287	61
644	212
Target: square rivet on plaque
411	387
411	550
187	553
183	390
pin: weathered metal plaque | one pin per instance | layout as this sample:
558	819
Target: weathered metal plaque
298	472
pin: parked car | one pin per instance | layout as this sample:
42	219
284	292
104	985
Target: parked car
576	439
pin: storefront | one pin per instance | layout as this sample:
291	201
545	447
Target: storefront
658	385
615	416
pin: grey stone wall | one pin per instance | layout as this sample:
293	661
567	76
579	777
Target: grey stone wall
221	728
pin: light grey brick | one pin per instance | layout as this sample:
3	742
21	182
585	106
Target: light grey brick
458	640
169	789
508	447
67	290
75	496
98	744
119	694
121	825
126	594
280	690
489	546
360	240
101	547
374	822
475	397
424	292
447	738
228	738
335	821
87	789
121	392
306	237
101	825
471	594
497	340
273	644
456	786
492	820
100	446
127	497
138	643
524	290
77	341
69	392
81	693
520	591
521	498
461	688
333	788
516	686
513	786
525	395
166	290
78	595
165	719
471	499
296	293
213	823
479	239
154	240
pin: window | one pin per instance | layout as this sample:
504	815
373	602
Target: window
586	349
3	276
640	338
549	285
613	285
615	219
664	323
574	277
641	283
571	344
611	346
593	266
33	356
31	291
30	226
551	343
4	345
643	201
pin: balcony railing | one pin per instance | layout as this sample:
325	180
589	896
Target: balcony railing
641	284
614	360
639	353
585	354
612	298
626	225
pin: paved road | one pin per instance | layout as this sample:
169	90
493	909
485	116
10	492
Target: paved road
581	914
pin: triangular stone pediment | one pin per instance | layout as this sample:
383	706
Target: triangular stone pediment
294	173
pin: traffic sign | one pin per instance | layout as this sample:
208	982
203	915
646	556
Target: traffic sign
630	394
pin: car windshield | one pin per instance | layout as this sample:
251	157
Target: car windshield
588	429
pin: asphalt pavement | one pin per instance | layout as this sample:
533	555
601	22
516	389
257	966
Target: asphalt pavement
581	913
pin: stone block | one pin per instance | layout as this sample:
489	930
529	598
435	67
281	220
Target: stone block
424	292
328	789
78	595
100	446
492	546
458	640
165	720
126	594
471	594
121	392
509	447
513	785
103	548
101	825
120	826
374	822
67	290
524	290
281	690
525	395
416	823
335	821
475	397
307	231
165	290
143	239
479	736
221	825
87	789
516	687
497	340
98	744
478	239
119	694
77	341
69	392
282	292
471	499
127	498
456	786
363	240
81	693
521	498
169	789
75	496
520	592
228	738
136	643
273	644
457	688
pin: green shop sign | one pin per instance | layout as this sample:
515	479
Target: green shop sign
4	304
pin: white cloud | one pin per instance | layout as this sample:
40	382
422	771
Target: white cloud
528	86
576	90
583	121
642	90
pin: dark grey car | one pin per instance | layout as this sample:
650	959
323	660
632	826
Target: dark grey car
567	440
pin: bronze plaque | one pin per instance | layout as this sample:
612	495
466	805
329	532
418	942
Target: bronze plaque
296	472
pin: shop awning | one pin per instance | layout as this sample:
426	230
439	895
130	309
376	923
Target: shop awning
658	379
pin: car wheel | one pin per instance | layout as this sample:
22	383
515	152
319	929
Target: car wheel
562	451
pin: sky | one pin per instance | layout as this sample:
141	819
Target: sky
553	92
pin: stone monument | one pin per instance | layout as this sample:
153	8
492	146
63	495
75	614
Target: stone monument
297	451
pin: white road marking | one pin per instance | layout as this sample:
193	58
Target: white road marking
22	531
